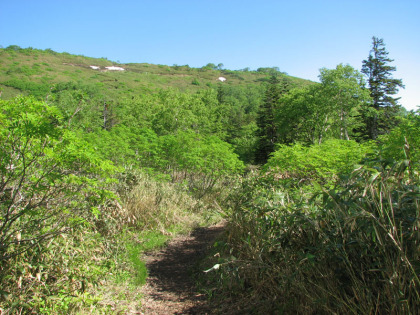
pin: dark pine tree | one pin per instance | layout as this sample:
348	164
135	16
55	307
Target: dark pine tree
380	116
220	93
267	130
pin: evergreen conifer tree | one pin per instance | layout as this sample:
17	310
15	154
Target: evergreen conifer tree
380	116
267	129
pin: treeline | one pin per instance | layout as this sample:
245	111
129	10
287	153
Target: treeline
347	104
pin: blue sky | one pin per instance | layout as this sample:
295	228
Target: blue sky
298	36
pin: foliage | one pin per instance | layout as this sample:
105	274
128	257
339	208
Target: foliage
40	90
344	95
238	109
79	104
168	111
195	81
125	146
188	151
179	141
15	68
210	66
47	174
299	118
57	277
52	185
270	71
60	228
318	112
245	143
403	142
201	161
321	163
186	155
157	97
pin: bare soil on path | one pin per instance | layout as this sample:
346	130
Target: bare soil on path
170	288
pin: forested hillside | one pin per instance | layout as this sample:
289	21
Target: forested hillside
101	161
163	98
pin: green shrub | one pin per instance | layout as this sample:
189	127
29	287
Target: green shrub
403	142
13	48
322	162
186	156
25	70
52	187
38	90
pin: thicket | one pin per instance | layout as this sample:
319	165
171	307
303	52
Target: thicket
322	163
52	184
340	237
36	89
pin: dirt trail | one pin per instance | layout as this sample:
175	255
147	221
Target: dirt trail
170	288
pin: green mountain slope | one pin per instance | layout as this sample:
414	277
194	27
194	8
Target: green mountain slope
33	71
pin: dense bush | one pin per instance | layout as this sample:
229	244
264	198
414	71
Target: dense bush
184	156
350	249
52	184
403	142
323	162
39	90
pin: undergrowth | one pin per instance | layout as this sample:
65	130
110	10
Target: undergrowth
97	268
348	249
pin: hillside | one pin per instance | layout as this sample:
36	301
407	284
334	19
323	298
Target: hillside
33	71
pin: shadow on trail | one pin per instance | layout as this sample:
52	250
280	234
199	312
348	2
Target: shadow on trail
170	271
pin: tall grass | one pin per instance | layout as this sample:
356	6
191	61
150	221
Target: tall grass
160	205
353	249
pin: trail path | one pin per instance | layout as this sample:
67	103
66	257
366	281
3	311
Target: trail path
170	288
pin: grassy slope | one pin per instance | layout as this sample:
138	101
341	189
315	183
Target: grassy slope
47	68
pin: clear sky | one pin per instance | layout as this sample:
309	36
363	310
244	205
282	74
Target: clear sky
298	36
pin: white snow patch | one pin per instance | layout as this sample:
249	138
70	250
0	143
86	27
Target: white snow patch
113	68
